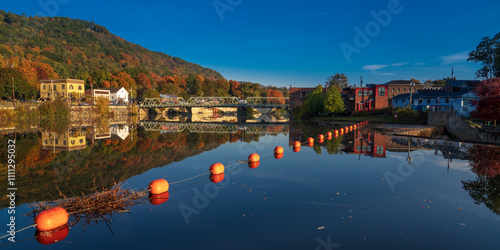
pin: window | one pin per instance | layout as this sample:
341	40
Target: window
465	103
358	148
70	86
361	106
370	92
364	148
381	91
43	87
64	142
81	141
447	100
54	87
404	89
419	100
79	87
62	86
380	150
293	94
392	90
365	92
360	93
399	90
57	141
369	147
427	101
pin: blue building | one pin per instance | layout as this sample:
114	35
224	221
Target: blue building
459	101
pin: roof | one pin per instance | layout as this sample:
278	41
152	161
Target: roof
112	90
62	81
399	82
432	94
459	83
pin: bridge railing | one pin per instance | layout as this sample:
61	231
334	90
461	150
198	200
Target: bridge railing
213	101
216	101
267	100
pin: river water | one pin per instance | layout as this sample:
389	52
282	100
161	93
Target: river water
362	190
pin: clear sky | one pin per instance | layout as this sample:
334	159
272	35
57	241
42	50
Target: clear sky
297	42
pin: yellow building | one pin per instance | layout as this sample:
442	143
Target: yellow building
62	88
67	141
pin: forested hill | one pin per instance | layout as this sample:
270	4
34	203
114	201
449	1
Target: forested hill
49	47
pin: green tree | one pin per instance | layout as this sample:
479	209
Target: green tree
338	80
314	101
488	53
333	101
22	88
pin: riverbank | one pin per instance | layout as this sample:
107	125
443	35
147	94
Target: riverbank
371	119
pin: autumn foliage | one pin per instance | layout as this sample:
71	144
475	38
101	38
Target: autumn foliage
484	160
488	105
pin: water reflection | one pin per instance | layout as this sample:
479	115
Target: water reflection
301	185
485	162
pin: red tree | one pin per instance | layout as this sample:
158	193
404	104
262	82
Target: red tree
484	160
488	105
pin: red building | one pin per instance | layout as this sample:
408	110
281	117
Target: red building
371	97
368	143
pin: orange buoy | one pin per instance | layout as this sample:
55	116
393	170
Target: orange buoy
329	137
254	157
341	131
354	126
321	140
336	132
157	199
350	128
278	155
310	144
346	129
253	164
51	219
310	139
279	150
217	168
297	144
216	178
158	186
321	136
49	237
328	134
296	149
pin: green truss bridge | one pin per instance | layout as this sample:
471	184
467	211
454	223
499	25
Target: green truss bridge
229	128
209	102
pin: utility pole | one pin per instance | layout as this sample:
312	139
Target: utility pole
411	91
13	95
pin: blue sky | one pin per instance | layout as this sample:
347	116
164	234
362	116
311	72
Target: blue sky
296	43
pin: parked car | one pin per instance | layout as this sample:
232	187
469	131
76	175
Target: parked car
84	104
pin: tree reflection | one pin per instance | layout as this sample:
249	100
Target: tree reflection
486	188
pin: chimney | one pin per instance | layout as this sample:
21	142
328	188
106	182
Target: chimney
355	85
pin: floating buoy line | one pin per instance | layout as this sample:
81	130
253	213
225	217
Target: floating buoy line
52	224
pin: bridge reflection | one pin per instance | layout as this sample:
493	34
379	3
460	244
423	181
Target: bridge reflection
228	128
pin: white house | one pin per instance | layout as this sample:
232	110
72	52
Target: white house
96	93
459	101
119	132
117	95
